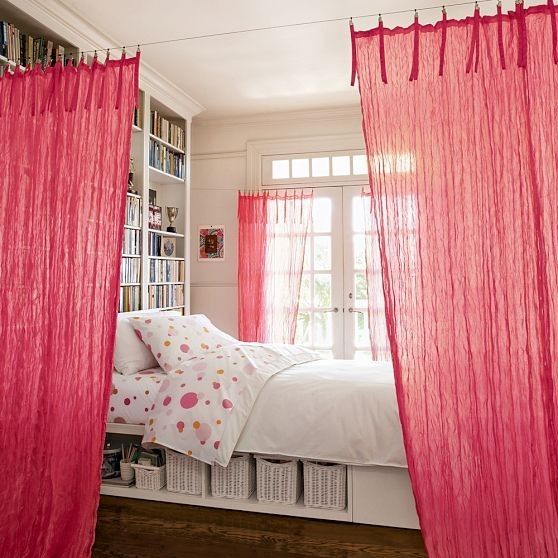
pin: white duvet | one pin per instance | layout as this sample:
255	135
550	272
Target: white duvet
331	410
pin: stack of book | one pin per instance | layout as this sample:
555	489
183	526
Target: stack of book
23	48
138	116
130	299
166	271
130	270
154	244
167	131
163	296
133	211
132	242
164	159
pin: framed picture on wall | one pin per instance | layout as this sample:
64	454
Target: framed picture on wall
211	245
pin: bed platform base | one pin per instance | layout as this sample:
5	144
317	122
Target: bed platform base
375	495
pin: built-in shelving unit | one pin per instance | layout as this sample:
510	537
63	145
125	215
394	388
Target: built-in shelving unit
160	152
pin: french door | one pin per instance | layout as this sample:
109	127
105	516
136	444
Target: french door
333	309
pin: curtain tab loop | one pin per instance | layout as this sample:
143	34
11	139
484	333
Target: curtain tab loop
474	49
415	66
443	42
521	34
353	52
382	50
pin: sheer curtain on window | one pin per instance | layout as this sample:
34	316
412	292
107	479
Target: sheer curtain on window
273	228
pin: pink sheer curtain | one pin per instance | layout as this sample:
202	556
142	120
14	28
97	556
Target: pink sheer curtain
273	227
463	160
252	244
63	174
379	341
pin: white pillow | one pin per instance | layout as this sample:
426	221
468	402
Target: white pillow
176	339
130	354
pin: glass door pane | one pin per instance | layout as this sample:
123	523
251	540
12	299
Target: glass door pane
320	316
357	339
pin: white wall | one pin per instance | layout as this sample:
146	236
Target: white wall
218	172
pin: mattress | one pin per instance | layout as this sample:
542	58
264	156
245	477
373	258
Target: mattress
329	410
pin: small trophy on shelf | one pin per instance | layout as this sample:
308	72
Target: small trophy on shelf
172	214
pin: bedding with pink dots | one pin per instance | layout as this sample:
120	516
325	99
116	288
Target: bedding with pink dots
132	396
203	404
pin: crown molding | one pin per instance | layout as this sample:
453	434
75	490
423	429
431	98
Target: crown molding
67	23
218	155
331	114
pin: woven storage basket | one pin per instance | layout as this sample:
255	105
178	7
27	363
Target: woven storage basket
149	477
278	482
184	473
325	485
237	480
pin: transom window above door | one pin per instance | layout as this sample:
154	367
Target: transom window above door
314	167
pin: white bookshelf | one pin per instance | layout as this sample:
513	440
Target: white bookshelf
171	191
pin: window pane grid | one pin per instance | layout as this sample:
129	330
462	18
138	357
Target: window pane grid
318	167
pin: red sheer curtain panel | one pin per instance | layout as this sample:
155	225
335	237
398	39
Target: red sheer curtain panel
273	227
63	174
461	128
252	242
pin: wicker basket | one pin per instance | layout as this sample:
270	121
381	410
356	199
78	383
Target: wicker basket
237	480
184	473
149	477
325	485
278	482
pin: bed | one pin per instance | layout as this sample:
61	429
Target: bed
326	410
293	413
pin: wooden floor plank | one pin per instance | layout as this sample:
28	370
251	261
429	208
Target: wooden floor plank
128	528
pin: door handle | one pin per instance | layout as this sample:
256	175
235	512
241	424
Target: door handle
335	310
353	310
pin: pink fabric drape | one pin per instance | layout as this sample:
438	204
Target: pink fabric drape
63	174
252	244
463	175
273	227
379	341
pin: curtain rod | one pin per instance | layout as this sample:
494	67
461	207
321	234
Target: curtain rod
285	26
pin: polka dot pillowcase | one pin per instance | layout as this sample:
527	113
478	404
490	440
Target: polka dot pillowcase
176	339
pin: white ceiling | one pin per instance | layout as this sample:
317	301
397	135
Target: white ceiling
298	68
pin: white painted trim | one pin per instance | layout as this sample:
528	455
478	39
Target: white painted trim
335	113
218	155
67	23
128	429
255	150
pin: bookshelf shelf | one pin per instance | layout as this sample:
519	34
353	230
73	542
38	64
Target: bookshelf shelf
166	258
131	255
166	144
166	233
133	195
159	177
167	283
132	228
136	129
130	284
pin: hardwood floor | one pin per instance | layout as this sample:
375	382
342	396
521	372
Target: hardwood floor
132	528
